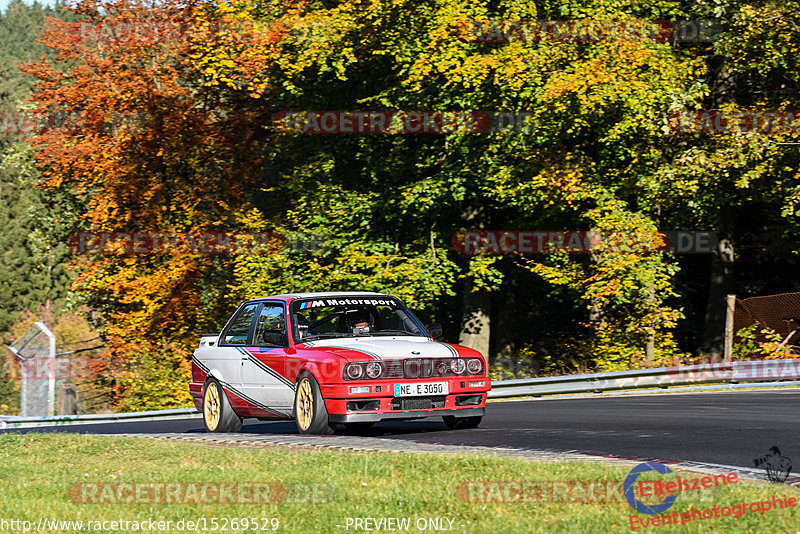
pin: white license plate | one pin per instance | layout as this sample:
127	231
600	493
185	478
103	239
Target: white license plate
420	389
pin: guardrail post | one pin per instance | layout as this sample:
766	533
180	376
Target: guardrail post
730	302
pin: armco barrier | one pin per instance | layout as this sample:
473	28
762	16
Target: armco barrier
13	421
662	377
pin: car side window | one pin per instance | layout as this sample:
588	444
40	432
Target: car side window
240	326
271	326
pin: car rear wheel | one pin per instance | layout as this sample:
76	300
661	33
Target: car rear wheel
452	422
218	415
309	408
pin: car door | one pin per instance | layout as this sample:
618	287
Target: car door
263	364
227	354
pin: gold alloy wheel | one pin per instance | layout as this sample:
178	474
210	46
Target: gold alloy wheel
211	406
304	405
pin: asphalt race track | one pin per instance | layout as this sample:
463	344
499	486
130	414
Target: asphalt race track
730	428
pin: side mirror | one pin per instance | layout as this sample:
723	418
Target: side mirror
273	337
435	330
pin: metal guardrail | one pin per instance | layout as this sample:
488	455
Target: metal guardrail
661	377
15	421
772	371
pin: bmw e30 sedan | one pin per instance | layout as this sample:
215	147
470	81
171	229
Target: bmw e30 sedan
322	359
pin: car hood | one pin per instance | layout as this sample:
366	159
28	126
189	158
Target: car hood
385	348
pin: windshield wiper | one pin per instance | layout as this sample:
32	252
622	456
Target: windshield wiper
312	337
395	332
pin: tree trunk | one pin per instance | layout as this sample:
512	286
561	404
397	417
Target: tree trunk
475	322
713	345
723	87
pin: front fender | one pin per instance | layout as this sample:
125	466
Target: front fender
324	372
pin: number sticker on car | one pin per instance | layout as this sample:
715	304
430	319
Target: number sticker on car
422	388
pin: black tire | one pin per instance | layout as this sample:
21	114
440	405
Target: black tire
218	416
453	423
310	412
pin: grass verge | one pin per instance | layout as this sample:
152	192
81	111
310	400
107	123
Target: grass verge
322	489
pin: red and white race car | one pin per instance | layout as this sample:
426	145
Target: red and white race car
326	358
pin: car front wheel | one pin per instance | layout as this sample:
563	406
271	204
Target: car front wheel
309	408
218	415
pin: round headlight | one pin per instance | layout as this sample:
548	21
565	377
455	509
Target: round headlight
374	370
458	366
441	367
474	366
354	371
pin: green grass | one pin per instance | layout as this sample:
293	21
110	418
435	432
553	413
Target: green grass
38	471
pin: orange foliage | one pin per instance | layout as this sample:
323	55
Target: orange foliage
153	151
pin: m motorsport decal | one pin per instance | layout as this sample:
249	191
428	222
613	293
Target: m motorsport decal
347	302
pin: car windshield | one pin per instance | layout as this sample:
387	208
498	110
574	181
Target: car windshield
338	317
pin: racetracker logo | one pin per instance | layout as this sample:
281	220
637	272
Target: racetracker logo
211	243
405	122
200	493
45	368
14	122
541	491
722	122
542	242
381	122
588	31
113	31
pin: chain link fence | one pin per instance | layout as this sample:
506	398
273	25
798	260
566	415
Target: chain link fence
779	313
51	382
36	353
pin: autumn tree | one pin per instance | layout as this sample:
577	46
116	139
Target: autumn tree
201	83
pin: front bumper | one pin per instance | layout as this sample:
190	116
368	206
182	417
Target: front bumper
418	414
462	400
456	385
